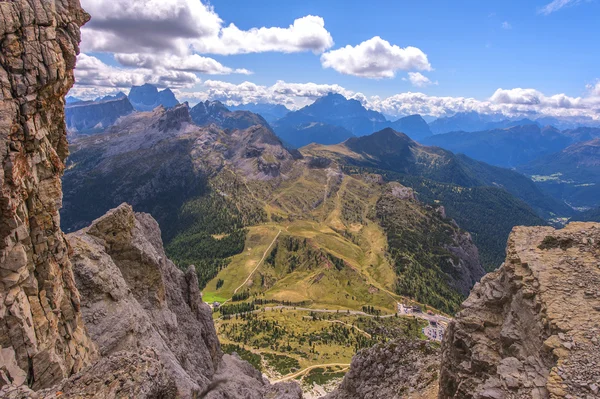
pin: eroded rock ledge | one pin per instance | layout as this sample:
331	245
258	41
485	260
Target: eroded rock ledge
531	329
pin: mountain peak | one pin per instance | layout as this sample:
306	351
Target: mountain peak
147	97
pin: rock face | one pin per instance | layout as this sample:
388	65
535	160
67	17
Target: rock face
397	369
42	338
530	329
158	160
94	116
147	97
134	297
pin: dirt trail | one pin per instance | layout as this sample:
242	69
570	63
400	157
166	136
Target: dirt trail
256	267
316	366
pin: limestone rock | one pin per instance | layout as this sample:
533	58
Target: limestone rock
134	297
395	370
42	338
530	329
122	375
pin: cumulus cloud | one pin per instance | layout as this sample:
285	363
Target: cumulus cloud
557	5
418	79
189	63
92	72
292	95
181	27
305	34
506	25
375	58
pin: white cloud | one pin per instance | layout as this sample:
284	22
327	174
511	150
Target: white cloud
292	95
594	89
189	63
557	5
144	32
417	79
305	34
375	58
506	25
92	72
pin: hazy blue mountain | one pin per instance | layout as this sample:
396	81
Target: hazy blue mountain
571	175
313	132
591	215
71	100
414	126
115	97
508	147
89	117
333	117
271	112
334	109
147	97
463	121
209	112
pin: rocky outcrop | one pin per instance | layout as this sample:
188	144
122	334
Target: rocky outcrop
134	297
397	369
122	375
42	338
95	116
530	329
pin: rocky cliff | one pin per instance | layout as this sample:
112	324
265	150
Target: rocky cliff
530	329
134	297
397	369
42	338
94	116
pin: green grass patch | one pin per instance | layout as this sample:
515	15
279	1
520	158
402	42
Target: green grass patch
284	365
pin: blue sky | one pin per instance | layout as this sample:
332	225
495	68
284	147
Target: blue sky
471	52
468	49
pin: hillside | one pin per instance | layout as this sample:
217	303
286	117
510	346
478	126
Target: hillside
147	97
485	200
571	175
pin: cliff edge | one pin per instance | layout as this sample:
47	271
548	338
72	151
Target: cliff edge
531	329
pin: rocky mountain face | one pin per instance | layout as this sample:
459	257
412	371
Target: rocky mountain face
394	370
157	160
530	329
147	97
42	335
90	117
133	297
215	112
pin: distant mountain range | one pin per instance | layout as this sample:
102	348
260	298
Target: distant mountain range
88	117
271	112
333	118
571	175
215	112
